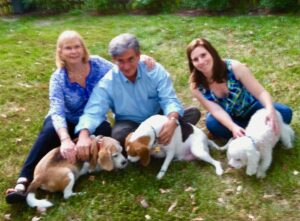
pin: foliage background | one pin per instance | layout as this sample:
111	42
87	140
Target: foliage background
156	6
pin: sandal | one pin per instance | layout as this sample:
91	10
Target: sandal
17	194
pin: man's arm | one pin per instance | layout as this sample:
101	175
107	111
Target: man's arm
94	114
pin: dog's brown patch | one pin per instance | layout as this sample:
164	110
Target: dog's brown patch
140	147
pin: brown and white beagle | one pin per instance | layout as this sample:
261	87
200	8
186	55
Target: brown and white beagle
188	143
54	173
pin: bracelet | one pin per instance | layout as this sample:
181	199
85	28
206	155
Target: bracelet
175	120
65	138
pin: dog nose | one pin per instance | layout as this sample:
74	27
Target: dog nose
124	162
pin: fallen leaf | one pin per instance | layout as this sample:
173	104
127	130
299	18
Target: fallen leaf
173	205
250	216
229	170
144	203
221	200
295	172
7	216
229	191
239	188
35	218
164	190
198	219
18	140
92	178
195	208
190	189
3	115
147	217
267	196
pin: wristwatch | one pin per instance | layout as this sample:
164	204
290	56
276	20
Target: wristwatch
175	120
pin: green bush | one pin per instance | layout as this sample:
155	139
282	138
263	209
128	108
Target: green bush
155	6
106	6
285	5
205	4
49	5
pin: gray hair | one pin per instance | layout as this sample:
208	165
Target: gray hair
118	45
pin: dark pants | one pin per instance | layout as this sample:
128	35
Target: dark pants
47	140
122	128
219	130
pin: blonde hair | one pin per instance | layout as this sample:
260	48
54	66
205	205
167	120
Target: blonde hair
62	39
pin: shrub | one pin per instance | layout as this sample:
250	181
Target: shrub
50	5
206	4
280	5
107	6
155	6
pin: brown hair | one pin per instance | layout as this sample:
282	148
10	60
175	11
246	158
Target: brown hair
219	66
67	36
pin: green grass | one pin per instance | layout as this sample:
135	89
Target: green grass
269	45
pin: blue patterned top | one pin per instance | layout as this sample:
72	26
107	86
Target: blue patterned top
67	99
239	100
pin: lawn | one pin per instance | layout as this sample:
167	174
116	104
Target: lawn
269	45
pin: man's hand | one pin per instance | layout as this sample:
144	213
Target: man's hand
83	145
167	131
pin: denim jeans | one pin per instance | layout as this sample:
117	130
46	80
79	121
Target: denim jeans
219	130
47	140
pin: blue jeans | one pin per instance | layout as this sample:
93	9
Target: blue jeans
219	130
47	140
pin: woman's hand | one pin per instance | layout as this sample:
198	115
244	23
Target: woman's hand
149	61
272	120
237	131
68	150
83	146
167	132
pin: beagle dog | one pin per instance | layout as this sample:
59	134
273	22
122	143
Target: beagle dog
54	173
188	143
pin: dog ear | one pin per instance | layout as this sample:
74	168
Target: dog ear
143	150
253	157
144	155
127	140
105	159
94	154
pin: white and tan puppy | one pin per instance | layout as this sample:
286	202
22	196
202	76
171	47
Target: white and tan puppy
190	144
55	174
254	150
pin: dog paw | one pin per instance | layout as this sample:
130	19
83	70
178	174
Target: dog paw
219	171
261	174
160	175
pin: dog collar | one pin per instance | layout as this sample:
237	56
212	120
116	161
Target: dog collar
155	136
252	140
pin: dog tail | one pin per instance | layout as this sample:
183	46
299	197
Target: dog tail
31	199
212	144
287	136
